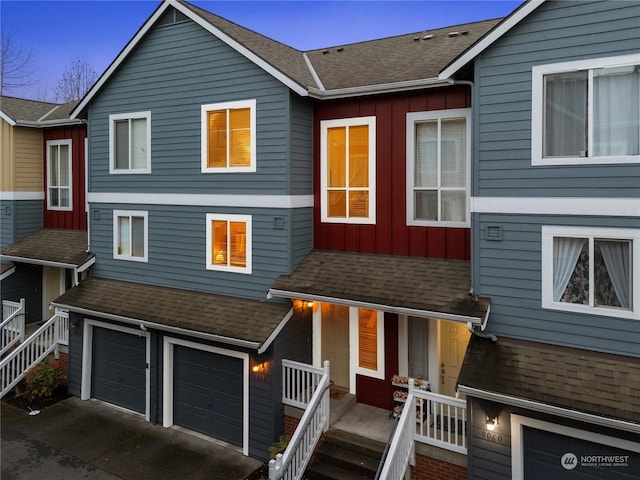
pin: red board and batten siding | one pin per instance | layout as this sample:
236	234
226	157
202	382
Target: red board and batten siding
75	219
390	234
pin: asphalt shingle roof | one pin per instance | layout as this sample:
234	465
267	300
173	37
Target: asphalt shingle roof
597	383
51	245
426	284
20	109
230	317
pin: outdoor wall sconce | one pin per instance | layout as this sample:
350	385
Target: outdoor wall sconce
492	421
309	303
258	368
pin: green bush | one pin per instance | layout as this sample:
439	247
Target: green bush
43	379
280	446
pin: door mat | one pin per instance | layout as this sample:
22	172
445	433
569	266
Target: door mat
336	394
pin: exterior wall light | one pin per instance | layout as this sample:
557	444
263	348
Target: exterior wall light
258	368
309	303
492	421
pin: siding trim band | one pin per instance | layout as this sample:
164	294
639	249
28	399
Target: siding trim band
616	207
376	306
7	196
181	331
551	409
210	200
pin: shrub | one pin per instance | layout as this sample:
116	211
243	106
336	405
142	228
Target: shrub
280	446
43	379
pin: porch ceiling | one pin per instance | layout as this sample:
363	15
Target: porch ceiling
594	383
50	246
428	287
222	318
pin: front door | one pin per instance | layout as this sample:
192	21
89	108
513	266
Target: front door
335	342
53	285
454	338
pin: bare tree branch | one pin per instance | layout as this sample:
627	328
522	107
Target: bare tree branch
15	64
76	80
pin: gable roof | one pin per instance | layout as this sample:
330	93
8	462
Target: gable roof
51	246
389	64
489	38
569	381
32	113
418	286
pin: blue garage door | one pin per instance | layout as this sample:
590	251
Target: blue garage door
207	393
551	456
119	369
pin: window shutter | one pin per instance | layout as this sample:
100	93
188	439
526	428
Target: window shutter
368	339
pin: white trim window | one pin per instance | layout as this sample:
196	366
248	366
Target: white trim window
367	334
591	270
130	143
438	168
348	170
59	175
229	243
586	112
130	235
228	137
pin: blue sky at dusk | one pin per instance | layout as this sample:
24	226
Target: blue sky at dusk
58	31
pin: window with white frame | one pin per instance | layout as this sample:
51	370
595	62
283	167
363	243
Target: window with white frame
591	270
130	235
229	243
130	142
228	137
59	178
438	160
586	112
348	170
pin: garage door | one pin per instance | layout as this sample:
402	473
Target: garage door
119	369
553	456
207	393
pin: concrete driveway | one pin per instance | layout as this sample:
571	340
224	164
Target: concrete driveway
77	439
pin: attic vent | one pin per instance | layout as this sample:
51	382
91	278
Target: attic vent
494	232
324	52
416	39
454	34
340	49
429	36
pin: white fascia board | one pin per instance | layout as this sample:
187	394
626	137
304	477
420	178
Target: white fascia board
207	200
491	37
7	118
550	409
267	343
241	49
8	272
119	59
379	89
582	206
35	261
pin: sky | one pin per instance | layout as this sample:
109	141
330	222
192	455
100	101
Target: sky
57	32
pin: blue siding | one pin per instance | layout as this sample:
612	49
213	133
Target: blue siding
177	250
301	146
172	72
555	32
509	273
25	282
19	219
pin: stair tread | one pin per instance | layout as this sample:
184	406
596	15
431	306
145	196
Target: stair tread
321	470
343	455
357	443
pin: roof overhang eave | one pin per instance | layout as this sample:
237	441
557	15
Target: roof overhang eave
158	326
50	263
7	273
550	409
49	123
378	89
376	306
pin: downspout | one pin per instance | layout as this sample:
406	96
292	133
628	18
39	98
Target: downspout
480	333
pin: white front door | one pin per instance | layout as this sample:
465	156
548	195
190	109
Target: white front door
335	342
53	285
454	338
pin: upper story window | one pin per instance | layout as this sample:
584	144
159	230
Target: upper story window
586	112
438	166
229	243
130	235
348	170
130	143
59	179
229	137
591	270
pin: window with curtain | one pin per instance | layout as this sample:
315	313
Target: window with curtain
228	137
130	235
586	112
438	160
229	243
593	271
59	175
348	170
130	142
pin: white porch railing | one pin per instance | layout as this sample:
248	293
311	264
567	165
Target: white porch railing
12	326
314	422
429	418
32	351
299	382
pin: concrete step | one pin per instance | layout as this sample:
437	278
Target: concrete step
345	456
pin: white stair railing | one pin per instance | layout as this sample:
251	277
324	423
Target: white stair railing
314	422
12	326
299	382
30	352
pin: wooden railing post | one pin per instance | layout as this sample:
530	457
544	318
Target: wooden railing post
327	399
